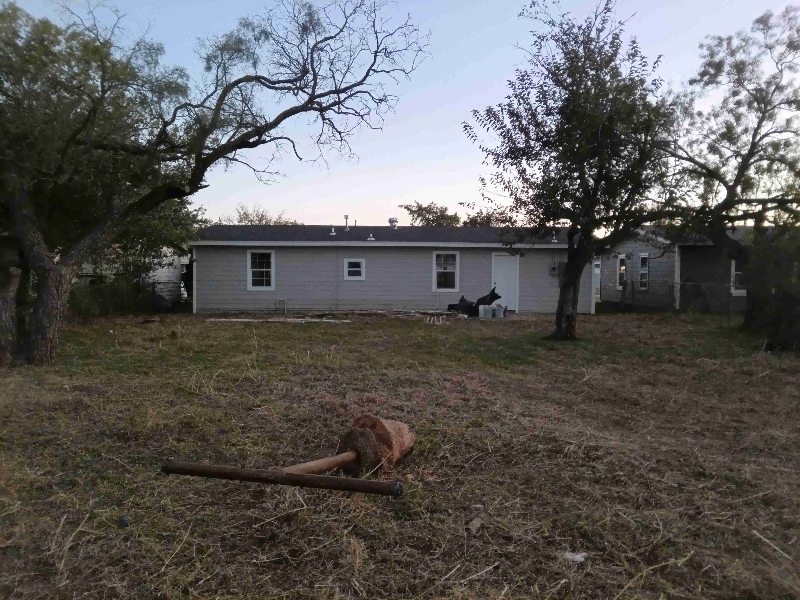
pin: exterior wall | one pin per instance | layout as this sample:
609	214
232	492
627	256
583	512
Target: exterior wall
660	291
538	290
312	278
706	281
704	272
167	279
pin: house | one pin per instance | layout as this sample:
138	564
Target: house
164	280
244	268
693	273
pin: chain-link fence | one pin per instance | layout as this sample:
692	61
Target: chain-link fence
669	295
101	299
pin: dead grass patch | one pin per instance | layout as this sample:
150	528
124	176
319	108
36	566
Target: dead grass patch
665	448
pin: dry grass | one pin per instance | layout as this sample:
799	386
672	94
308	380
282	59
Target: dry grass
665	448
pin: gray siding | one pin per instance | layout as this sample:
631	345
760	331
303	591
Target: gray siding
660	292
539	290
311	278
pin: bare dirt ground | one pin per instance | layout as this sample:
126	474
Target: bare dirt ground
666	448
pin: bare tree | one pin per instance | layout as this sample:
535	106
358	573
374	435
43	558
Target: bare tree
124	135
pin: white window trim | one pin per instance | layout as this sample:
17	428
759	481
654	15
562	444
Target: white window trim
641	270
458	269
248	274
616	274
363	262
734	291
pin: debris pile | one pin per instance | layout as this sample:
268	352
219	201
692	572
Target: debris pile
472	309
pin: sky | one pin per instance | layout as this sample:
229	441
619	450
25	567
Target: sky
421	153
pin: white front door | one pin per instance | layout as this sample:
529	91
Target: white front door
505	277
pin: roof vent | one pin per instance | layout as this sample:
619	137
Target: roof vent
393	223
346	226
370	238
553	239
333	232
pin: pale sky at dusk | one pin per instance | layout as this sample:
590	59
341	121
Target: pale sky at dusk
421	153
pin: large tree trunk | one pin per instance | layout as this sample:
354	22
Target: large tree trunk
9	282
53	286
24	301
568	294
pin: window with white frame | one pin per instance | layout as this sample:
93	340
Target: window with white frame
737	287
260	270
644	271
355	269
445	271
622	262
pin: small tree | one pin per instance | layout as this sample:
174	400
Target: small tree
581	138
148	241
740	159
93	134
255	215
489	217
431	215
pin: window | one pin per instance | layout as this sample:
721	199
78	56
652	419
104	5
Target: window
644	271
355	269
737	287
621	264
445	271
260	270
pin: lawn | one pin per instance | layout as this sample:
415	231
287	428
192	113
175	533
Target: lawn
665	448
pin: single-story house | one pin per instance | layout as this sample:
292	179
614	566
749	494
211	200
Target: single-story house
244	268
164	279
693	273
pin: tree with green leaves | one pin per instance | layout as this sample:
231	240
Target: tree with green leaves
431	215
94	132
149	241
581	137
737	140
255	215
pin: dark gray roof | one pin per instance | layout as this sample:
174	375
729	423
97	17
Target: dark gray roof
322	233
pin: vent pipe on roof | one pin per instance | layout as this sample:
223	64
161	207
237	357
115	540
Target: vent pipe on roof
333	232
554	240
346	226
370	238
393	223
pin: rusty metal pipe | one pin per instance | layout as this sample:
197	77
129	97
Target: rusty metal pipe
345	484
323	465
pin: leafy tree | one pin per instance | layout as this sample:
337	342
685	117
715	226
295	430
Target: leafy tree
580	136
740	159
148	240
255	215
488	217
431	215
93	134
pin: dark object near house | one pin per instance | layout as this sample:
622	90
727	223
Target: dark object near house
488	299
463	306
471	309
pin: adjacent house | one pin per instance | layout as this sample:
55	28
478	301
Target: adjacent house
245	268
694	274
